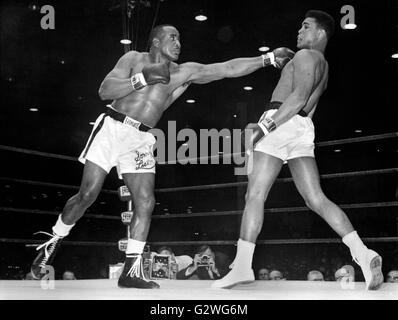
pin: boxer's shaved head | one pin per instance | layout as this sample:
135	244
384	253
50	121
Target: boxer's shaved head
157	32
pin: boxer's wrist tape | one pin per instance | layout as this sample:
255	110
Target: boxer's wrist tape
263	127
138	81
269	124
268	58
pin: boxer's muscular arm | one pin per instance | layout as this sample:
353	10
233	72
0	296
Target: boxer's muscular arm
305	81
177	93
204	73
117	83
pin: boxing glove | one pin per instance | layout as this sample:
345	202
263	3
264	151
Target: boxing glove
254	132
151	74
278	57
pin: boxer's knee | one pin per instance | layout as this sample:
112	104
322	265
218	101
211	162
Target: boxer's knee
315	201
87	197
256	193
144	201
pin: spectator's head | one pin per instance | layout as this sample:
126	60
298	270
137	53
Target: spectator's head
275	275
392	276
263	274
345	273
205	250
315	275
167	251
68	275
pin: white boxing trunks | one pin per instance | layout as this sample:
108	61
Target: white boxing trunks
292	139
113	143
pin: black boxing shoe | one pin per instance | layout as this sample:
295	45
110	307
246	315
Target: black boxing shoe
133	274
46	255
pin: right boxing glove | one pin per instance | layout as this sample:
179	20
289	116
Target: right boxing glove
151	74
278	57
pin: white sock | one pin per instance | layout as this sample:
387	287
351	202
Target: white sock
61	229
354	242
135	246
244	254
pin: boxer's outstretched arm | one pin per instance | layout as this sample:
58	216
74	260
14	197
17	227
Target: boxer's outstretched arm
305	80
204	73
117	83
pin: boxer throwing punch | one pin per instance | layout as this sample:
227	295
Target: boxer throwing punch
142	86
285	132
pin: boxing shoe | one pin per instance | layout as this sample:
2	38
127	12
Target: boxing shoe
133	275
233	278
370	263
46	255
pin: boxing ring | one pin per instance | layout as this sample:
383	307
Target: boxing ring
196	289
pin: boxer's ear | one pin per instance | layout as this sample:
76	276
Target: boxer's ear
322	34
156	42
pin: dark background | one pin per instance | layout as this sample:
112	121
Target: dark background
59	72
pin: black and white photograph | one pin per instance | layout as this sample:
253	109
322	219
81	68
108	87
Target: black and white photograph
197	156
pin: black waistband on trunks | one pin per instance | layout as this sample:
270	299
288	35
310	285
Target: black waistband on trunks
126	120
277	104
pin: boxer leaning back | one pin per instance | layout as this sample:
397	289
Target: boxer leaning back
285	133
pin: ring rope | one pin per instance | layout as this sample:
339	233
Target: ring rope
56	213
211	243
38	153
244	183
209	186
49	184
318	144
206	214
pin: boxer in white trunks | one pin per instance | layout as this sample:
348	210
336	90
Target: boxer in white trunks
285	133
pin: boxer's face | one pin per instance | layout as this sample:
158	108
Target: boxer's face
170	45
308	35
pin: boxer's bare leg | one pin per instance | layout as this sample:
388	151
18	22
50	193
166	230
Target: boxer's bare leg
141	186
91	185
92	181
265	170
306	177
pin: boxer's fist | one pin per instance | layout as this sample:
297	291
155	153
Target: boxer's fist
278	57
254	132
282	56
151	74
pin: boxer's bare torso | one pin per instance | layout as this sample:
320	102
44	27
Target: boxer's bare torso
286	82
148	104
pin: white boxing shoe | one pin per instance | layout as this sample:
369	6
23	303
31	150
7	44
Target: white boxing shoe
233	278
370	264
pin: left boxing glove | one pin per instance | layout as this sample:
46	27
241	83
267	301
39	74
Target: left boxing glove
254	132
152	74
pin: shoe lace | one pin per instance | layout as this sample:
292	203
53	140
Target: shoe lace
136	269
49	246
